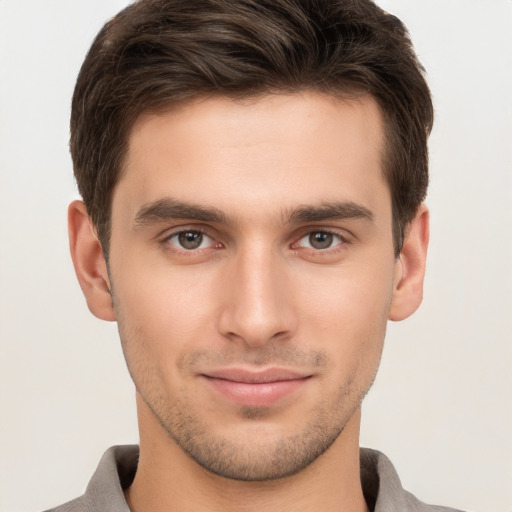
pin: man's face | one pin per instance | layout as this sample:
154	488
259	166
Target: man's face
252	268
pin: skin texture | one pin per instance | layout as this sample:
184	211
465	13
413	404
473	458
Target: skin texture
252	236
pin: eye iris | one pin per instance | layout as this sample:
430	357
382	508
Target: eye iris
190	239
320	240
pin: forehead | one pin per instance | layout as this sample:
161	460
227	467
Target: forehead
269	151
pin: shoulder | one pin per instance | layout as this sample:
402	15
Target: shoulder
383	490
415	505
76	505
105	491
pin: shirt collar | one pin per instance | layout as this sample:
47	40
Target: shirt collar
381	485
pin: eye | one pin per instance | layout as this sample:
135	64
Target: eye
320	240
190	240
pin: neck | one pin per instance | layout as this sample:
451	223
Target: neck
167	479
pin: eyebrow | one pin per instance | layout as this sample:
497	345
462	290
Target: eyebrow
330	211
171	209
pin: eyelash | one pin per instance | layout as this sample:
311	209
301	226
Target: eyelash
175	247
342	242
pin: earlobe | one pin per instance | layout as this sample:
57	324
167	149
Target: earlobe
410	268
89	263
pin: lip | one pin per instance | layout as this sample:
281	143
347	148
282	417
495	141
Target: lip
255	389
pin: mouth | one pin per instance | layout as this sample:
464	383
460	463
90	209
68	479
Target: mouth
255	389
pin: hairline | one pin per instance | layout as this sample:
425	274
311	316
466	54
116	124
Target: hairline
350	92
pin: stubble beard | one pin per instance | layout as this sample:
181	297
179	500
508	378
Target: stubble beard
253	458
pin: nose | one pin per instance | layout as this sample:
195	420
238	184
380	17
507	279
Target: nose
257	298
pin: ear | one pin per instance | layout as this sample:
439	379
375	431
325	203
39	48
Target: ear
89	263
410	268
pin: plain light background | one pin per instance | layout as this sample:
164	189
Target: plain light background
441	405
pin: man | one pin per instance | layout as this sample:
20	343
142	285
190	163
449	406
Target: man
252	176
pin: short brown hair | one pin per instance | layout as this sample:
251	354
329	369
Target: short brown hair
156	52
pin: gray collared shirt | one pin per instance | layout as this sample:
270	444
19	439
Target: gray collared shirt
116	470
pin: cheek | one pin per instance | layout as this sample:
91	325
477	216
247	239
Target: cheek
351	295
348	313
161	314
